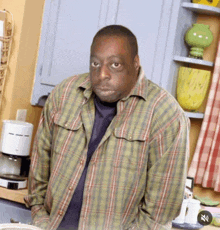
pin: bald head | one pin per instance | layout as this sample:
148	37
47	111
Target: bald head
119	31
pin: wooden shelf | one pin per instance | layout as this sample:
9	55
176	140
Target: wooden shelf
195	115
13	195
202	9
192	61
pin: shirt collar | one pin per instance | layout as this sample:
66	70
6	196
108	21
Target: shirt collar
86	85
139	90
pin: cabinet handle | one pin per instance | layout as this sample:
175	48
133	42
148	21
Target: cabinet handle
13	221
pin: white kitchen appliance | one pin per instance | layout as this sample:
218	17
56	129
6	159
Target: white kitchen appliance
14	148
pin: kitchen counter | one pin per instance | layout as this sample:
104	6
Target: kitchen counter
18	195
13	195
209	227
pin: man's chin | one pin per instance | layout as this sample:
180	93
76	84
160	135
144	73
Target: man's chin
107	100
107	96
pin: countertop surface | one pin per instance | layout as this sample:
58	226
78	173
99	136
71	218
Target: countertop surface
13	195
209	227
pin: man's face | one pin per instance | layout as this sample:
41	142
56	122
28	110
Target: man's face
113	70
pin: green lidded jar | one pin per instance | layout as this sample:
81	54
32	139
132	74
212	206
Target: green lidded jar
199	36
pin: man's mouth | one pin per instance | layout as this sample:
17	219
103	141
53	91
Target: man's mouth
104	88
104	91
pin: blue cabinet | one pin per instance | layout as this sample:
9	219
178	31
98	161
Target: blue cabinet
16	211
69	26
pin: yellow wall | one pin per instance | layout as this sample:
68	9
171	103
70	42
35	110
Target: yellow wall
19	80
28	17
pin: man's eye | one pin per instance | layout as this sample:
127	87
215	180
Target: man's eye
95	64
116	65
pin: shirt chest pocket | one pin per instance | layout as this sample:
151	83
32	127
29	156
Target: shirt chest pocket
68	132
131	148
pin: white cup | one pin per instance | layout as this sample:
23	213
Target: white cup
193	210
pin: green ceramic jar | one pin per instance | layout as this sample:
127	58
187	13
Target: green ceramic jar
199	36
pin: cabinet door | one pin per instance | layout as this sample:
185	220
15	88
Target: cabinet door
16	211
67	32
144	20
154	24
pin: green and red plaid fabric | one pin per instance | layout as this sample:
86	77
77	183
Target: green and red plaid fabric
136	176
205	166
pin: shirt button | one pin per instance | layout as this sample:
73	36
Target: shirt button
66	125
130	137
60	213
71	188
81	162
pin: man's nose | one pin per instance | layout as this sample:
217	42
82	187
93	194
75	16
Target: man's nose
104	72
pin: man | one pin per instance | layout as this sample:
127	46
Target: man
111	148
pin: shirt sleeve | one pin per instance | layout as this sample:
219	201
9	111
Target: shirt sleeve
167	172
40	165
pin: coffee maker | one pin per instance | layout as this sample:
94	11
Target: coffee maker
14	151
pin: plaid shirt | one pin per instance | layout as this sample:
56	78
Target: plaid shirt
136	176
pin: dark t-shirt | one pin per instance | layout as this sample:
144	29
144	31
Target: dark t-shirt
104	113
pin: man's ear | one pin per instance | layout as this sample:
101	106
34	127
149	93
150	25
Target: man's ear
136	62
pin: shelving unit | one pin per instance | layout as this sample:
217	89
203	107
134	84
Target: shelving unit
193	61
201	9
195	9
195	115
